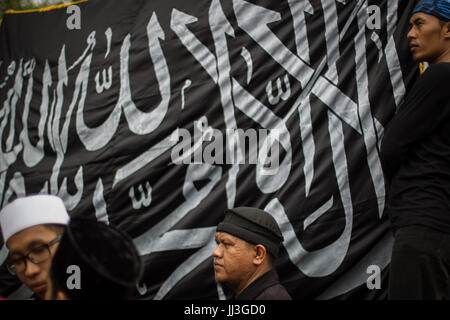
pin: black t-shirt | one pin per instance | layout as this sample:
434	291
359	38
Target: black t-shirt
415	154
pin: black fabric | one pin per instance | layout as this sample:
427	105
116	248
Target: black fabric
253	225
259	218
107	259
420	265
437	8
416	154
89	114
266	287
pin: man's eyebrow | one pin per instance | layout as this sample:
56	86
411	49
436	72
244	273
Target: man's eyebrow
14	253
416	20
32	244
35	242
227	239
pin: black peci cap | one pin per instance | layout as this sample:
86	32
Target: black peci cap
108	261
253	225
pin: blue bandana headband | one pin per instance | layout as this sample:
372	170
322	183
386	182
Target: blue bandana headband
437	8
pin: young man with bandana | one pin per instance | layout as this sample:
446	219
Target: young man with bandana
415	153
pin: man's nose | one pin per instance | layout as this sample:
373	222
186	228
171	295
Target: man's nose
31	269
411	34
217	252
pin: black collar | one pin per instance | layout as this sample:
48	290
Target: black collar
255	288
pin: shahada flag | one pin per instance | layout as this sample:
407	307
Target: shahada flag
156	116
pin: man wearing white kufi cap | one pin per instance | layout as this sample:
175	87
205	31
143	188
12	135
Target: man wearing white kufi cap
31	229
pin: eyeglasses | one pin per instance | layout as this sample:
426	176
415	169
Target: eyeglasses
36	255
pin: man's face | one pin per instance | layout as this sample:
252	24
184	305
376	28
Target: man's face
34	276
426	38
233	261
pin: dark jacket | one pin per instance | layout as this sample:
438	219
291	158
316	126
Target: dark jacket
415	154
266	287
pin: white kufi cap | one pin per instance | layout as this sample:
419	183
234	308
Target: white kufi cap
31	211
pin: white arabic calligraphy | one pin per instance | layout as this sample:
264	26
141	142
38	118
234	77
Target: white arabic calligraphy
254	20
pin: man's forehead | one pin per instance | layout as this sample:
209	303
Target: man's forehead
422	16
22	240
224	235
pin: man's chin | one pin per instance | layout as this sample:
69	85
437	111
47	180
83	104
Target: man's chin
420	58
40	294
417	58
220	279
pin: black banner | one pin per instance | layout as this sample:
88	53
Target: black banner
156	116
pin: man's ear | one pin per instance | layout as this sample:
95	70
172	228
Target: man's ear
446	30
260	254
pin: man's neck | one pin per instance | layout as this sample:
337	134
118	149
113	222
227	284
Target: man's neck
444	57
255	275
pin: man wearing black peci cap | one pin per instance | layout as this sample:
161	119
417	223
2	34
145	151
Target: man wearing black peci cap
94	261
248	242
